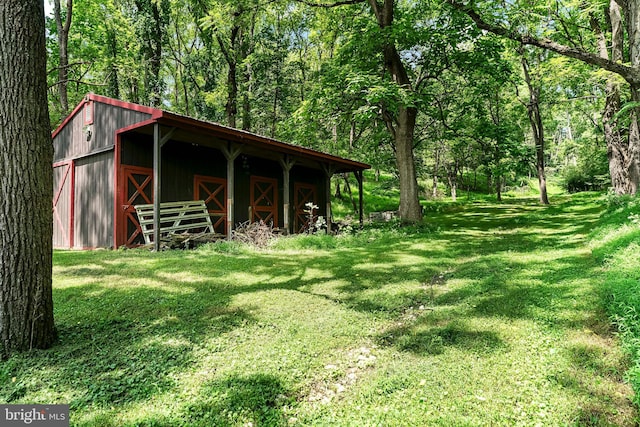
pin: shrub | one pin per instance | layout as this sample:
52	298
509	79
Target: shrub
576	179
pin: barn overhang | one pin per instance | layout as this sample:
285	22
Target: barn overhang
192	131
164	126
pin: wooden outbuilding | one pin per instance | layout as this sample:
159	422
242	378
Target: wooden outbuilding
110	156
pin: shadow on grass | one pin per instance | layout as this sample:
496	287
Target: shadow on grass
125	343
120	346
251	400
424	339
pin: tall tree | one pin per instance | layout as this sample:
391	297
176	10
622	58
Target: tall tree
537	125
623	16
402	122
63	27
400	114
26	180
151	25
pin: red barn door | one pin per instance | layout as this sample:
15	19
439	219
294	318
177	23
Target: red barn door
264	199
214	193
302	194
136	189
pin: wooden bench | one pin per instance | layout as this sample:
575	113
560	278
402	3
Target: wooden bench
384	216
186	217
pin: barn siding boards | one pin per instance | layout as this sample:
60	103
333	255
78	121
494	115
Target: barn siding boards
136	149
76	138
107	119
182	162
94	195
69	142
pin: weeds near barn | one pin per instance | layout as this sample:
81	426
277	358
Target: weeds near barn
487	314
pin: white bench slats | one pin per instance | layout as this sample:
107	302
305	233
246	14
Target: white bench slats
175	216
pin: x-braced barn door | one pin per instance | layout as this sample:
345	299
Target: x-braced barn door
264	199
302	194
63	174
137	189
214	193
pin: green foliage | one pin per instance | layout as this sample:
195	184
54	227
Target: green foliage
616	243
315	77
576	179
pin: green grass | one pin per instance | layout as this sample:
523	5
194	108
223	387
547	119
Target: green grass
616	244
487	314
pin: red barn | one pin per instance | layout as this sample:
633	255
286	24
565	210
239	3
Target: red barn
111	155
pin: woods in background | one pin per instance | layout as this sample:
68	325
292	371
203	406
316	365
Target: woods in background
434	92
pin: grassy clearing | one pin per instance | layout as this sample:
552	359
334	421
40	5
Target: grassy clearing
489	314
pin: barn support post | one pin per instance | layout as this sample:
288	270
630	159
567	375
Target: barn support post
230	152
358	175
158	142
329	170
286	164
157	187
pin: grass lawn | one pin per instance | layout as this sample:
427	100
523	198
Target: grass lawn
490	314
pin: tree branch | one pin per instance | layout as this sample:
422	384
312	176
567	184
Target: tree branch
630	74
328	5
68	66
77	81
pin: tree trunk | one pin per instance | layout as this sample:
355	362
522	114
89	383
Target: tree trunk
617	147
410	209
452	179
436	170
537	128
347	188
151	14
63	44
246	99
26	182
231	107
453	187
402	126
632	14
113	88
230	55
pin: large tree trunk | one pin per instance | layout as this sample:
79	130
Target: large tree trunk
632	14
231	107
152	13
113	86
26	183
617	145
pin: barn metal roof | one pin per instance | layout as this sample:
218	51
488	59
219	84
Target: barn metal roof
209	132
